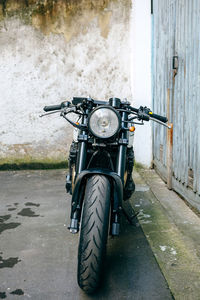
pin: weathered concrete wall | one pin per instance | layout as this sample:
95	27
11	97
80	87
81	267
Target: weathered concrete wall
54	50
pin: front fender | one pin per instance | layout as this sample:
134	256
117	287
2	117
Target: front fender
115	179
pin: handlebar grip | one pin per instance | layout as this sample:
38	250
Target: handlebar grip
158	117
134	109
52	107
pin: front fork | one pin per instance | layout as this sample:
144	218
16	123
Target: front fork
80	166
120	170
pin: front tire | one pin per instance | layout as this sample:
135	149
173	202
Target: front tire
93	232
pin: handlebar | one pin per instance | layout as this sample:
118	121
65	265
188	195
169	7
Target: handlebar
145	113
52	107
158	117
57	107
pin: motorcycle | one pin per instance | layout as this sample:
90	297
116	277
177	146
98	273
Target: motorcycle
101	160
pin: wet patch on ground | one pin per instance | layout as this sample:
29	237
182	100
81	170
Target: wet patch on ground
27	212
32	204
8	226
17	292
8	263
2	295
4	218
12	208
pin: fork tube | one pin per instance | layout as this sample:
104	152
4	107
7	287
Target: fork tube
82	157
121	161
123	141
82	138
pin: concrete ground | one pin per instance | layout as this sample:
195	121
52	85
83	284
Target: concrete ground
38	255
173	232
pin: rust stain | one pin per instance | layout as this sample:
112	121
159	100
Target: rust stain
171	134
169	156
104	22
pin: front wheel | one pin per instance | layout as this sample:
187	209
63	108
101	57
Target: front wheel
93	232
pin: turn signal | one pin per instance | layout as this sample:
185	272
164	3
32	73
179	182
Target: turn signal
132	128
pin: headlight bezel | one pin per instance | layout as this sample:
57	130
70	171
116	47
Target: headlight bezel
118	118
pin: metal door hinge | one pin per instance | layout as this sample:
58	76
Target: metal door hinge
175	63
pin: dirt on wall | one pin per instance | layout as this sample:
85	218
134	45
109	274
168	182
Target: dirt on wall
68	17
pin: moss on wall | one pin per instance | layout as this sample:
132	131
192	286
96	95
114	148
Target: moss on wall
28	163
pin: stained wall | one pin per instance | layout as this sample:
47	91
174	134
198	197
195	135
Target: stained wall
51	51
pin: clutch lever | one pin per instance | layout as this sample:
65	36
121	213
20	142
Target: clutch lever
62	110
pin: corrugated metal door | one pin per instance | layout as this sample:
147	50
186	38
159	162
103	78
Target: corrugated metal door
176	93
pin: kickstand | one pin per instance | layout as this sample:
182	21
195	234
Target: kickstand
128	217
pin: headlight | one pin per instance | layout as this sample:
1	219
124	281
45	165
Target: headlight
104	122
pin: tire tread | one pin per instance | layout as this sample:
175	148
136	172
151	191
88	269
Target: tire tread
93	233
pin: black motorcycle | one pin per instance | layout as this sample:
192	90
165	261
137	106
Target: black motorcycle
101	160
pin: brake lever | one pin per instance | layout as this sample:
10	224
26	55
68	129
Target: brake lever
162	123
49	113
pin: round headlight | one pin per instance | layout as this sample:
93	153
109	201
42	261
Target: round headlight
104	122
